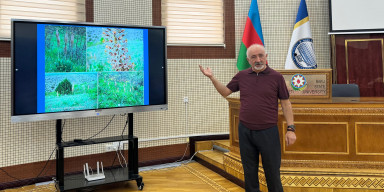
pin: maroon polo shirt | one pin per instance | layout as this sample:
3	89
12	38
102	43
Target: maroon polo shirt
259	94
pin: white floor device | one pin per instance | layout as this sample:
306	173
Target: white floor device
92	177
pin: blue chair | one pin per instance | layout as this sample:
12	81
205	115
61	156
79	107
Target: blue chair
345	90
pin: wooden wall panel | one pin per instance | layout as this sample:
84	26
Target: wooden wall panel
234	110
235	134
369	138
5	48
319	138
359	59
333	130
89	11
364	62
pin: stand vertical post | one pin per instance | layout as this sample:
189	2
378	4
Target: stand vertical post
59	154
130	125
133	165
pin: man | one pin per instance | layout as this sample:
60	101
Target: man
260	89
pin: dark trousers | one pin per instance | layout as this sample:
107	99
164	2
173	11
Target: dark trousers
267	143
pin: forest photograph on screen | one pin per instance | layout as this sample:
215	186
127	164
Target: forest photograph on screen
89	67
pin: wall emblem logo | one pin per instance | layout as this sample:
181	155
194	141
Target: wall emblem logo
303	54
298	82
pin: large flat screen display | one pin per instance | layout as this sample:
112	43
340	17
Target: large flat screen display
66	70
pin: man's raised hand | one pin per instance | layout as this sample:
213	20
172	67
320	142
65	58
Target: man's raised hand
207	72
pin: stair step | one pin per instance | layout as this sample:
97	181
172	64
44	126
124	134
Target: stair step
212	151
213	157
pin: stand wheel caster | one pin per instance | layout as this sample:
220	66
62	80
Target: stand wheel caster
141	186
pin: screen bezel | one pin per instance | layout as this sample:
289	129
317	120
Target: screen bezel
91	112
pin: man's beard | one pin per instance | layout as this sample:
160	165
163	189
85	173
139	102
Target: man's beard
259	66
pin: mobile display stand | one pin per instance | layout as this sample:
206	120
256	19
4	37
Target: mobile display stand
77	181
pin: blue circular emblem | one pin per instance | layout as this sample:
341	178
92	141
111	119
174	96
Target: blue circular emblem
303	54
298	82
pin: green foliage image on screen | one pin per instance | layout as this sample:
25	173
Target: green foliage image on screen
65	48
121	89
93	67
64	87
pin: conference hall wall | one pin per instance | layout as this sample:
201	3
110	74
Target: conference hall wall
206	112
